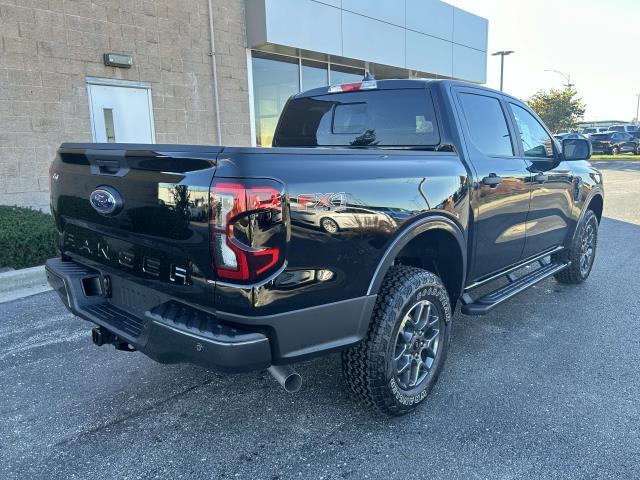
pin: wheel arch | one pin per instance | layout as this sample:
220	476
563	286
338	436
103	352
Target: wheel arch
596	205
421	236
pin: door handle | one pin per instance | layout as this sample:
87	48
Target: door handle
492	180
541	178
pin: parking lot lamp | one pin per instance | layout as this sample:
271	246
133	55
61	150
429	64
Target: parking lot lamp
502	53
566	76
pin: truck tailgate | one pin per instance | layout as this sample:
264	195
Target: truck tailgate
138	210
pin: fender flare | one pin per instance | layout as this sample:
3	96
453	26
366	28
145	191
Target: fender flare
596	192
433	222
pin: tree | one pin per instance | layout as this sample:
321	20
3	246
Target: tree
559	109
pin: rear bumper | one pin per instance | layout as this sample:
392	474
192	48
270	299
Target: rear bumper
171	331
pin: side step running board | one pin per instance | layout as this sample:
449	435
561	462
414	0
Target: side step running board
485	304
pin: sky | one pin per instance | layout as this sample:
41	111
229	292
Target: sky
597	42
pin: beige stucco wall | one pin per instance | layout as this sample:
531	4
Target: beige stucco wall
49	47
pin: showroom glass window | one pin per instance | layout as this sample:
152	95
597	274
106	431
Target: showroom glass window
340	74
314	75
277	77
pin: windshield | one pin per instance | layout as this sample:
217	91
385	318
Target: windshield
372	118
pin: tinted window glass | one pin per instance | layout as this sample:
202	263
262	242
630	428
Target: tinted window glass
535	140
350	118
383	118
487	124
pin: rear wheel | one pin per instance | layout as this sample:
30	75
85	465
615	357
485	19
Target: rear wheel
615	150
395	367
582	252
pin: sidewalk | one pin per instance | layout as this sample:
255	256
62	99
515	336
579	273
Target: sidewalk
22	283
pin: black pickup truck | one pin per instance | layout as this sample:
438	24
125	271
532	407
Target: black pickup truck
381	206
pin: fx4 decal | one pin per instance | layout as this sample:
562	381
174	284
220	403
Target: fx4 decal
312	201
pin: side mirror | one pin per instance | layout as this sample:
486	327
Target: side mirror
576	149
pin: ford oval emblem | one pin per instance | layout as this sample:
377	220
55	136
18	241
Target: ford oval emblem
106	200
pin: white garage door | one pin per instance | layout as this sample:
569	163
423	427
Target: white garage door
121	112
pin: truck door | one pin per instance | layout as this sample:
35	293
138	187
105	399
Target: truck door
500	199
551	181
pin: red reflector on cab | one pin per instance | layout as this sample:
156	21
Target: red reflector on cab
354	87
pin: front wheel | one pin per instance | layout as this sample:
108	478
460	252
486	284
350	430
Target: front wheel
615	150
329	225
582	252
397	364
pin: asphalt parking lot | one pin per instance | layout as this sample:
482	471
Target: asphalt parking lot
548	386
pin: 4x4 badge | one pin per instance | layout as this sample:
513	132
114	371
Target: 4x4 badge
310	201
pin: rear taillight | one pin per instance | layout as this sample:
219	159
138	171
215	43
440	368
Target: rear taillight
247	228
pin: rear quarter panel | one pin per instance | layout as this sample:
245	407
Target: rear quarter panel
372	196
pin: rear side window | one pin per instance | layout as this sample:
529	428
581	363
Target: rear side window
380	118
487	124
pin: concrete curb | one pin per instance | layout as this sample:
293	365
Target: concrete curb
22	283
27	277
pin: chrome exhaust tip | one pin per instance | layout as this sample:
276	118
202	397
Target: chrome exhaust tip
286	376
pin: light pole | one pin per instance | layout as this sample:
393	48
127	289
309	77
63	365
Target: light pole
566	76
502	53
638	109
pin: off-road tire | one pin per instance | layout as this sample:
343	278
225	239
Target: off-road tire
369	368
573	274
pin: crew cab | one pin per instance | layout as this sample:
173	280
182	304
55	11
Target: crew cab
382	206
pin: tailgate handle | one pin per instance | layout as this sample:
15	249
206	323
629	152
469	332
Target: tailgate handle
108	162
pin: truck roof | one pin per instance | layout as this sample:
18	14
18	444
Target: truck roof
392	84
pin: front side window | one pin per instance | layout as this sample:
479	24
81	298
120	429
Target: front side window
487	124
536	142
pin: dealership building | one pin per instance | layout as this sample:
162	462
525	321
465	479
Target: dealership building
199	71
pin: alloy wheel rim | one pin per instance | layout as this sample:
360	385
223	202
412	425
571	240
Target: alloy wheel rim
587	249
329	225
417	345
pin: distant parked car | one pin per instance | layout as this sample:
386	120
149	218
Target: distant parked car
562	136
591	130
628	128
613	143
